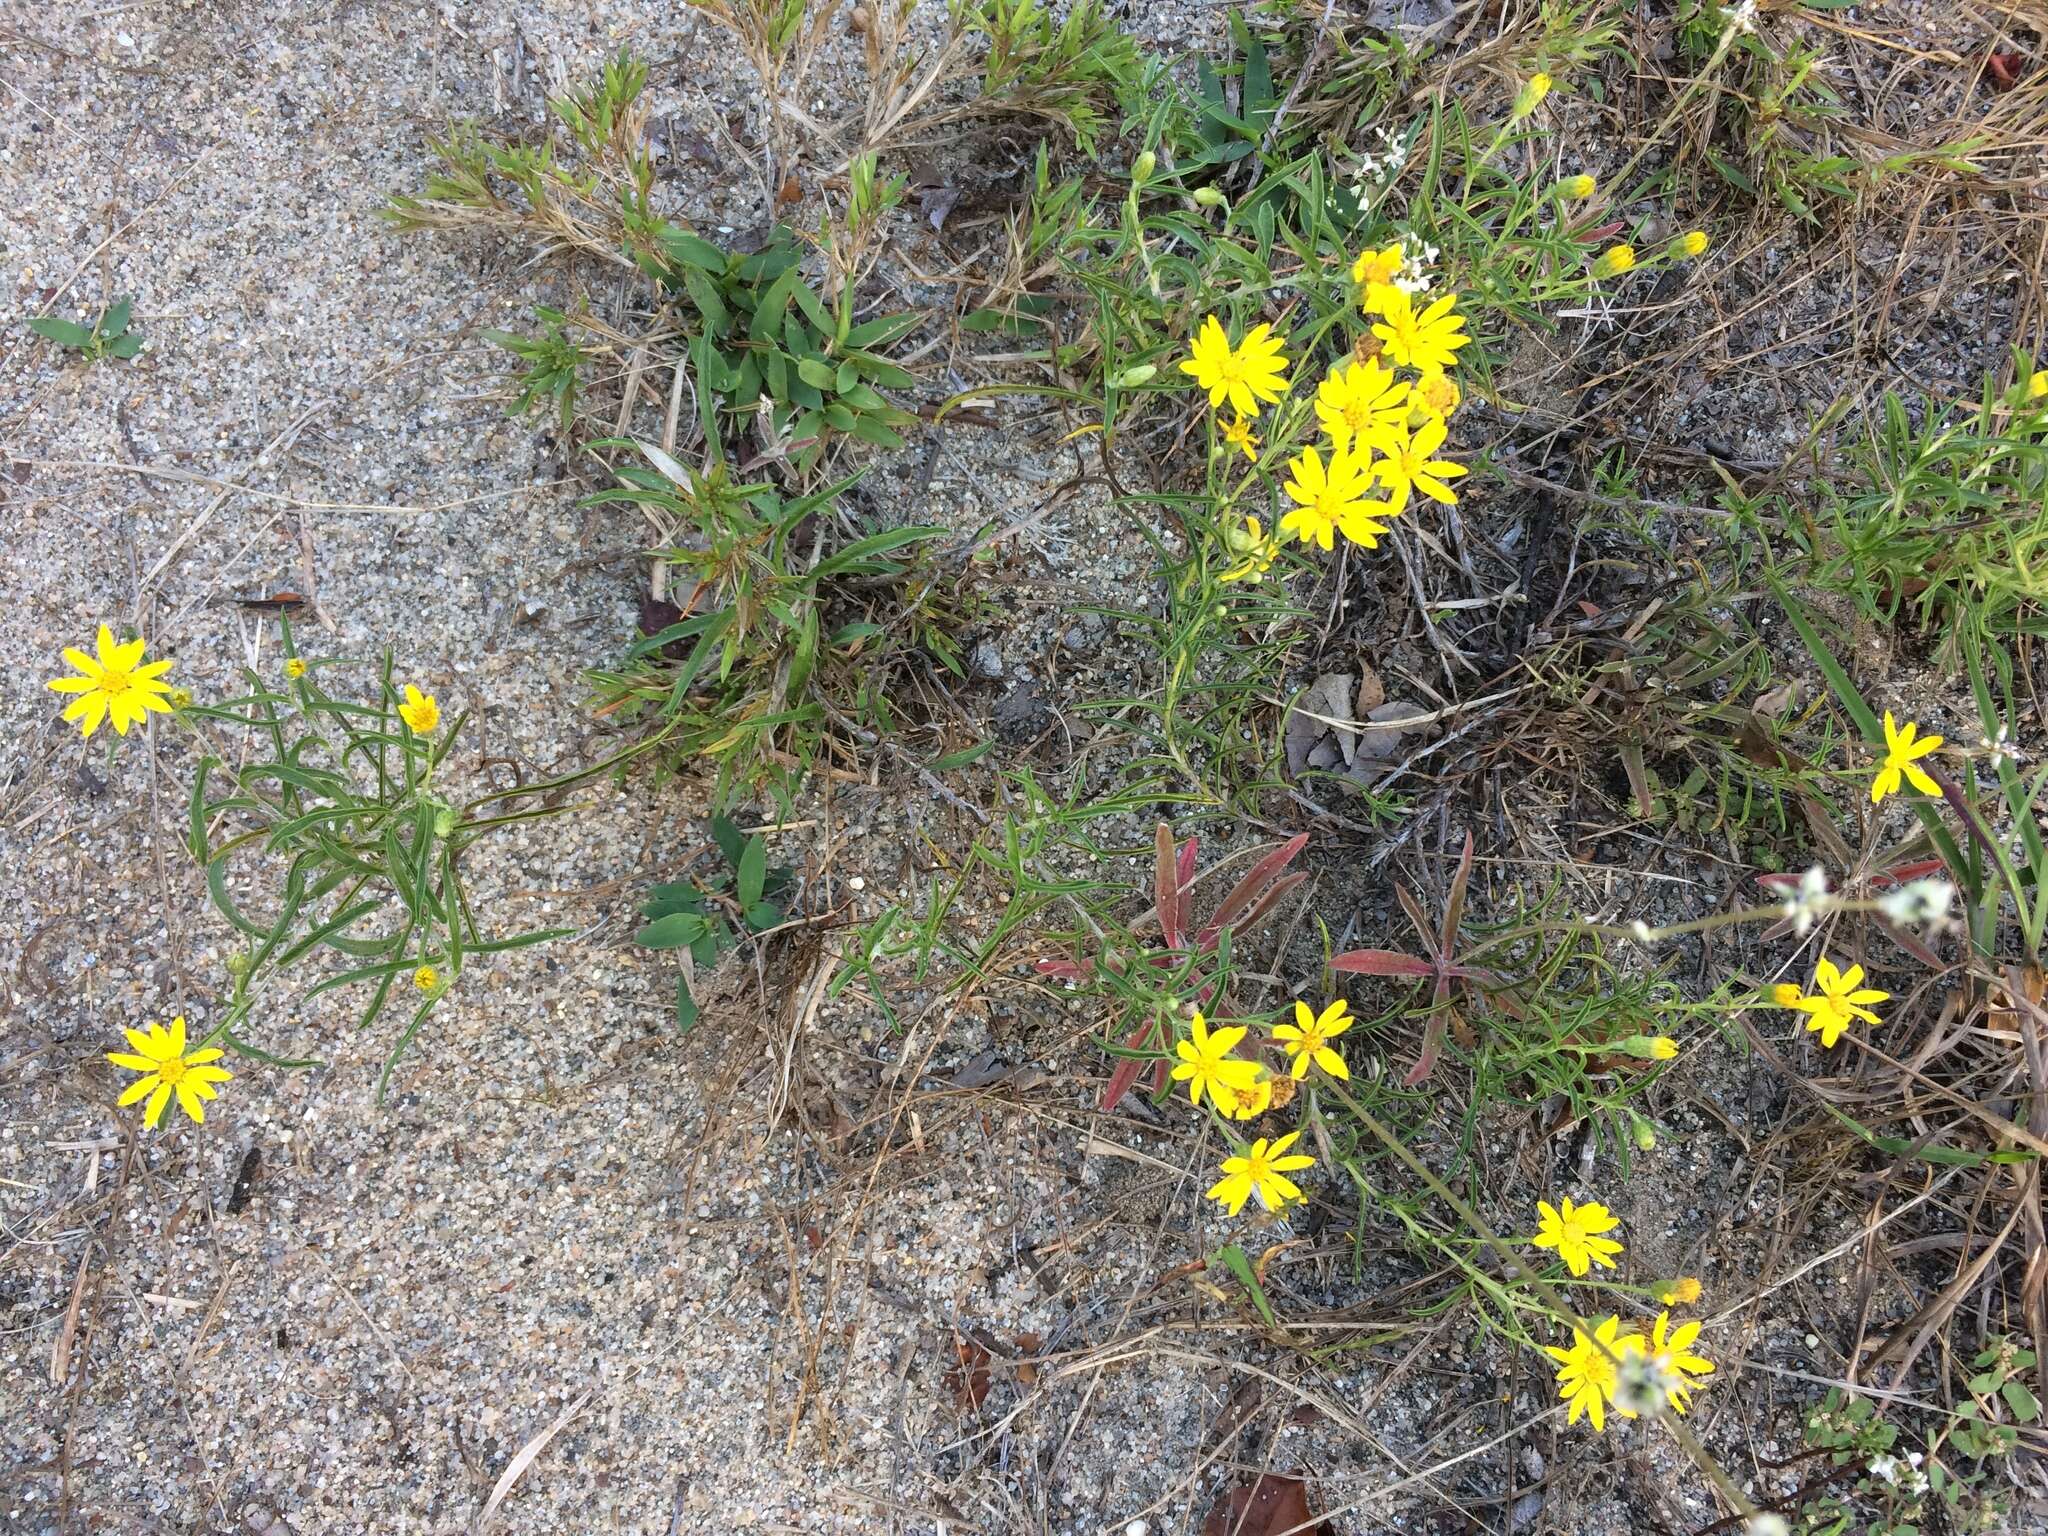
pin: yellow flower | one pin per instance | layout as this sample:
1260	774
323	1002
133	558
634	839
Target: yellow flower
1206	1062
1261	1171
1901	760
295	668
1614	261
1577	187
1334	499
1785	995
419	711
1438	392
168	1069
1254	550
1254	370
1237	432
1587	1371
1530	97
1308	1038
426	978
1672	1364
1374	272
1681	1292
2037	384
1426	341
1575	1233
116	686
1663	1048
1246	1103
1692	243
1410	464
1839	999
1351	401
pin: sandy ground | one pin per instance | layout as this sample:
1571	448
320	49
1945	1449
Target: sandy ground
317	1314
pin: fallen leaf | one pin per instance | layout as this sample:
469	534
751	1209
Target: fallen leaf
791	191
968	1380
1268	1507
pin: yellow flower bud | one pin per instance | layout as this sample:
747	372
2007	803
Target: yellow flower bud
1577	187
1615	260
1531	97
1691	244
1681	1292
1785	995
1143	167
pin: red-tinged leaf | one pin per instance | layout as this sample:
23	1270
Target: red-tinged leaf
1275	894
1159	1074
1187	862
1270	1506
1900	874
1432	1045
1166	884
1127	1067
1419	919
1454	909
1256	879
1381	962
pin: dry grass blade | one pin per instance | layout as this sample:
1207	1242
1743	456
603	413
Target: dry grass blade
516	1468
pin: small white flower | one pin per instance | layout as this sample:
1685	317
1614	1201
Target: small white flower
1885	1466
1742	17
2001	749
1767	1524
1918	903
1806	904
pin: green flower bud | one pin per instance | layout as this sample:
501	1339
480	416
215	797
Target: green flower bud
1209	197
1142	169
1131	378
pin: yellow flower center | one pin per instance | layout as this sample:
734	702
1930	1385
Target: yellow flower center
113	683
171	1071
1358	414
1230	368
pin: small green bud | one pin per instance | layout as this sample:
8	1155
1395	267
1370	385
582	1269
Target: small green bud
1209	197
1131	378
1641	1132
239	964
1143	167
444	821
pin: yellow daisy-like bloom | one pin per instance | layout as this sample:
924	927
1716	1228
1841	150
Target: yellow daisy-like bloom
1351	401
1334	499
1575	1233
295	668
1615	260
1681	1292
1411	465
1263	1172
1246	1103
1308	1038
2037	385
1438	393
1237	432
1426	341
115	687
1901	760
1374	272
1253	549
1244	375
1578	188
426	978
168	1069
419	711
1672	1362
1838	1000
1206	1062
1586	1372
1692	243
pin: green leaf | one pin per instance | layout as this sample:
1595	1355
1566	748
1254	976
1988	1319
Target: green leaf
753	871
817	373
873	545
962	758
880	333
115	321
693	250
762	916
686	1007
846	378
1233	1259
674	931
125	347
2023	1404
66	333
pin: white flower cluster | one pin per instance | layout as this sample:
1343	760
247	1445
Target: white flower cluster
1919	903
1376	165
1902	1473
1417	255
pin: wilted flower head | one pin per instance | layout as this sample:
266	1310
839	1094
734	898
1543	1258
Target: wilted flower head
1917	903
1805	905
